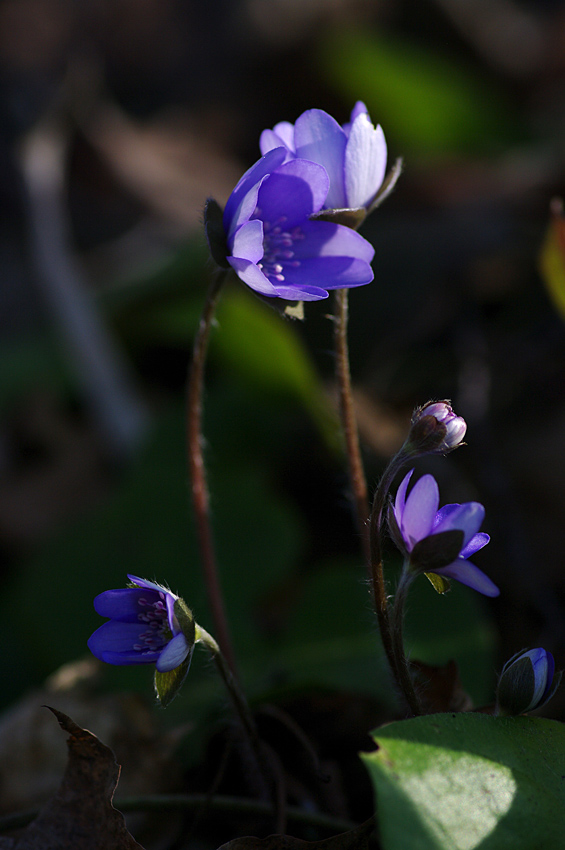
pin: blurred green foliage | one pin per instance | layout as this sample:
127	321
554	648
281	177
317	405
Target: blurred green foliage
430	104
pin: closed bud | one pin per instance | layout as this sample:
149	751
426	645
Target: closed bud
436	429
527	682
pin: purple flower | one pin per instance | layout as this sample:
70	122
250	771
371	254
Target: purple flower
143	627
354	155
439	541
271	242
527	682
436	428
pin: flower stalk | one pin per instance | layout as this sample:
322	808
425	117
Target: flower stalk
348	419
239	703
197	469
402	663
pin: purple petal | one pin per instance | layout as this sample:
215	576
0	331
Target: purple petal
467	573
120	637
295	191
550	674
142	582
467	517
319	137
331	272
254	175
420	510
173	654
132	657
323	239
443	513
281	134
253	276
476	542
244	211
301	293
358	109
400	500
247	242
123	604
365	162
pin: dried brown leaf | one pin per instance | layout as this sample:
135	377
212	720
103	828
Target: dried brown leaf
80	816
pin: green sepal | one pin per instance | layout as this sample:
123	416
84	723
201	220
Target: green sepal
215	233
516	687
185	620
436	551
167	685
439	583
352	218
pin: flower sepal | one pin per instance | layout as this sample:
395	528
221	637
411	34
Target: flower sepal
436	551
215	233
439	583
169	682
352	218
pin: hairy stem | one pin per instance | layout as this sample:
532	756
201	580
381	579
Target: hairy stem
239	703
197	469
402	663
348	420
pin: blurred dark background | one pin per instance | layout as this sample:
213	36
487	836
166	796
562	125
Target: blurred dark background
118	119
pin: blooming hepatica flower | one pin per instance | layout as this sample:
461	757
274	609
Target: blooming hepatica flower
143	628
353	155
274	246
439	542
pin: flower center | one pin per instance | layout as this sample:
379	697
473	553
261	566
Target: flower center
158	633
278	245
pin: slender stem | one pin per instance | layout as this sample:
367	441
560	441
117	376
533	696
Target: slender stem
238	699
348	420
198	471
402	663
380	597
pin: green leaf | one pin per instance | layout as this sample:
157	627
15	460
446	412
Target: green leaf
464	781
167	685
427	103
265	349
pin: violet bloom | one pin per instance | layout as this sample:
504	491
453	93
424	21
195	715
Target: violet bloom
143	627
527	682
439	542
353	155
274	247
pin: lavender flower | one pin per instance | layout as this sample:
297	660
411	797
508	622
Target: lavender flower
439	542
436	428
527	682
353	155
272	244
144	627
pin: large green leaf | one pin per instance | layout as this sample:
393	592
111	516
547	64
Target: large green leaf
428	103
466	781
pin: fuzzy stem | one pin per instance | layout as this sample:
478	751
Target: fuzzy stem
348	420
402	663
197	468
239	701
389	626
380	598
